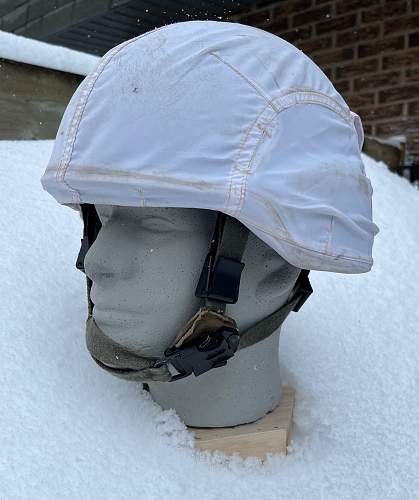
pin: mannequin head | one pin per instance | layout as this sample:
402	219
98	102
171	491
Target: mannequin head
144	265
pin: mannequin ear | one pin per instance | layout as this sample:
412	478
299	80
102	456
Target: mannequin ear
104	212
277	283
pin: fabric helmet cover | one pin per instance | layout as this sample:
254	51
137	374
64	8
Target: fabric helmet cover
226	117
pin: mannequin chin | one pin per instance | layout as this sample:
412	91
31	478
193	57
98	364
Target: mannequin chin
144	265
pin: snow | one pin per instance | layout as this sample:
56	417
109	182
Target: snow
394	140
70	430
25	50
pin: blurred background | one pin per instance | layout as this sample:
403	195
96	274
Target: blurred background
369	49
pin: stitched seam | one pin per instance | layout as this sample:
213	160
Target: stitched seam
293	243
261	139
329	241
80	108
298	97
246	79
243	142
114	174
310	90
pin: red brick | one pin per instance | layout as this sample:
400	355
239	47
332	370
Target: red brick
358	34
412	155
344	6
398	24
414	39
381	112
400	93
312	15
277	25
331	56
329	72
297	34
413	140
377	47
384	11
342	86
310	46
396	127
368	128
357	69
413	108
336	24
291	7
407	57
413	146
412	151
358	100
378	80
413	136
412	74
257	18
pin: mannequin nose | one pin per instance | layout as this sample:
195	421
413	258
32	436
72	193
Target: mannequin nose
98	273
103	267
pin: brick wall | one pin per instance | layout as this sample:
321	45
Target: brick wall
368	48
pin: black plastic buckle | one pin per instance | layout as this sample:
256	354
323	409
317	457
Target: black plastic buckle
303	289
91	228
220	282
212	352
82	254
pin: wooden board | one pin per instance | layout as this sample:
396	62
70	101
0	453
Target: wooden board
270	434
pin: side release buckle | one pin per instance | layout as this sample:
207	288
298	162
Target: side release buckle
212	352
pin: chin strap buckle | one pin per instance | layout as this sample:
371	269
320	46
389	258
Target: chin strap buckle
211	352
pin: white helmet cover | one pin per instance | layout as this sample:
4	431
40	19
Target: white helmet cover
226	117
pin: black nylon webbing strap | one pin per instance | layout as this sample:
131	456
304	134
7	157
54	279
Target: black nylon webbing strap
266	326
91	228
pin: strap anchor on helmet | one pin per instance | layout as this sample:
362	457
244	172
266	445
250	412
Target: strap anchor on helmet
220	276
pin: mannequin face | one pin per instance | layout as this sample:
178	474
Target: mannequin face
145	264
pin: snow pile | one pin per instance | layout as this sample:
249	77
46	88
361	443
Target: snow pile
25	50
69	430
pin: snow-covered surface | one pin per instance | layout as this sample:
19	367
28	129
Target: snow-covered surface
21	49
394	140
69	430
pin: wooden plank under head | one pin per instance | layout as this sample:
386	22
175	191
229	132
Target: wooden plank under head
269	434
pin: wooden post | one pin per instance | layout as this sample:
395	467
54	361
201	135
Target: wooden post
270	434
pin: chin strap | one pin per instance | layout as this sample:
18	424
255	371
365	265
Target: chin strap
210	337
